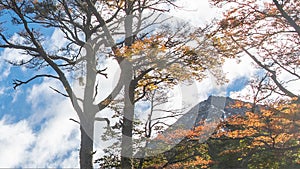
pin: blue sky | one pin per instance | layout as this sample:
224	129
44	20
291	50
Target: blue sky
10	98
35	130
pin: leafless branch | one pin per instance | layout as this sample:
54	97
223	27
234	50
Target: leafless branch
265	67
287	17
58	91
101	72
74	120
104	119
17	82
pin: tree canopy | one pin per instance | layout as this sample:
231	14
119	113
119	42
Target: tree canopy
154	52
150	49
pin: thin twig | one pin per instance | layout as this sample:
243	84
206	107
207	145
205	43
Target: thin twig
58	91
74	120
17	82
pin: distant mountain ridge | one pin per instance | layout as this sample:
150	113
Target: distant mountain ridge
215	108
211	111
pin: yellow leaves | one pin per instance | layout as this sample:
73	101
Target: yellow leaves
177	70
137	46
163	48
115	4
217	41
230	22
261	141
142	83
197	132
186	50
193	134
253	22
289	109
151	87
236	120
224	44
240	104
200	161
241	133
283	138
148	82
230	151
267	113
149	47
275	125
170	57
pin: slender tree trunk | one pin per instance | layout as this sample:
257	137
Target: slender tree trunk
126	145
86	147
127	127
89	110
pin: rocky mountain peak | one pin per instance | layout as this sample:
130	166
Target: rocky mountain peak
209	112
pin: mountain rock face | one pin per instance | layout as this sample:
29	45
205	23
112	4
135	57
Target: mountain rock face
216	108
212	109
208	113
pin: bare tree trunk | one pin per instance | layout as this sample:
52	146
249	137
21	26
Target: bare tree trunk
127	127
126	145
86	147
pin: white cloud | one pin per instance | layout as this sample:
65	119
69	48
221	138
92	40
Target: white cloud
56	143
243	67
58	137
247	93
58	134
56	40
2	90
72	161
292	82
15	54
14	141
244	94
42	93
15	95
47	138
5	70
12	55
247	69
198	12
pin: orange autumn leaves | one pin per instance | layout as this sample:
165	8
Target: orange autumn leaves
278	121
273	126
170	60
149	47
258	25
199	162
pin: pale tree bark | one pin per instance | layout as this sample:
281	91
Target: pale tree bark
84	25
